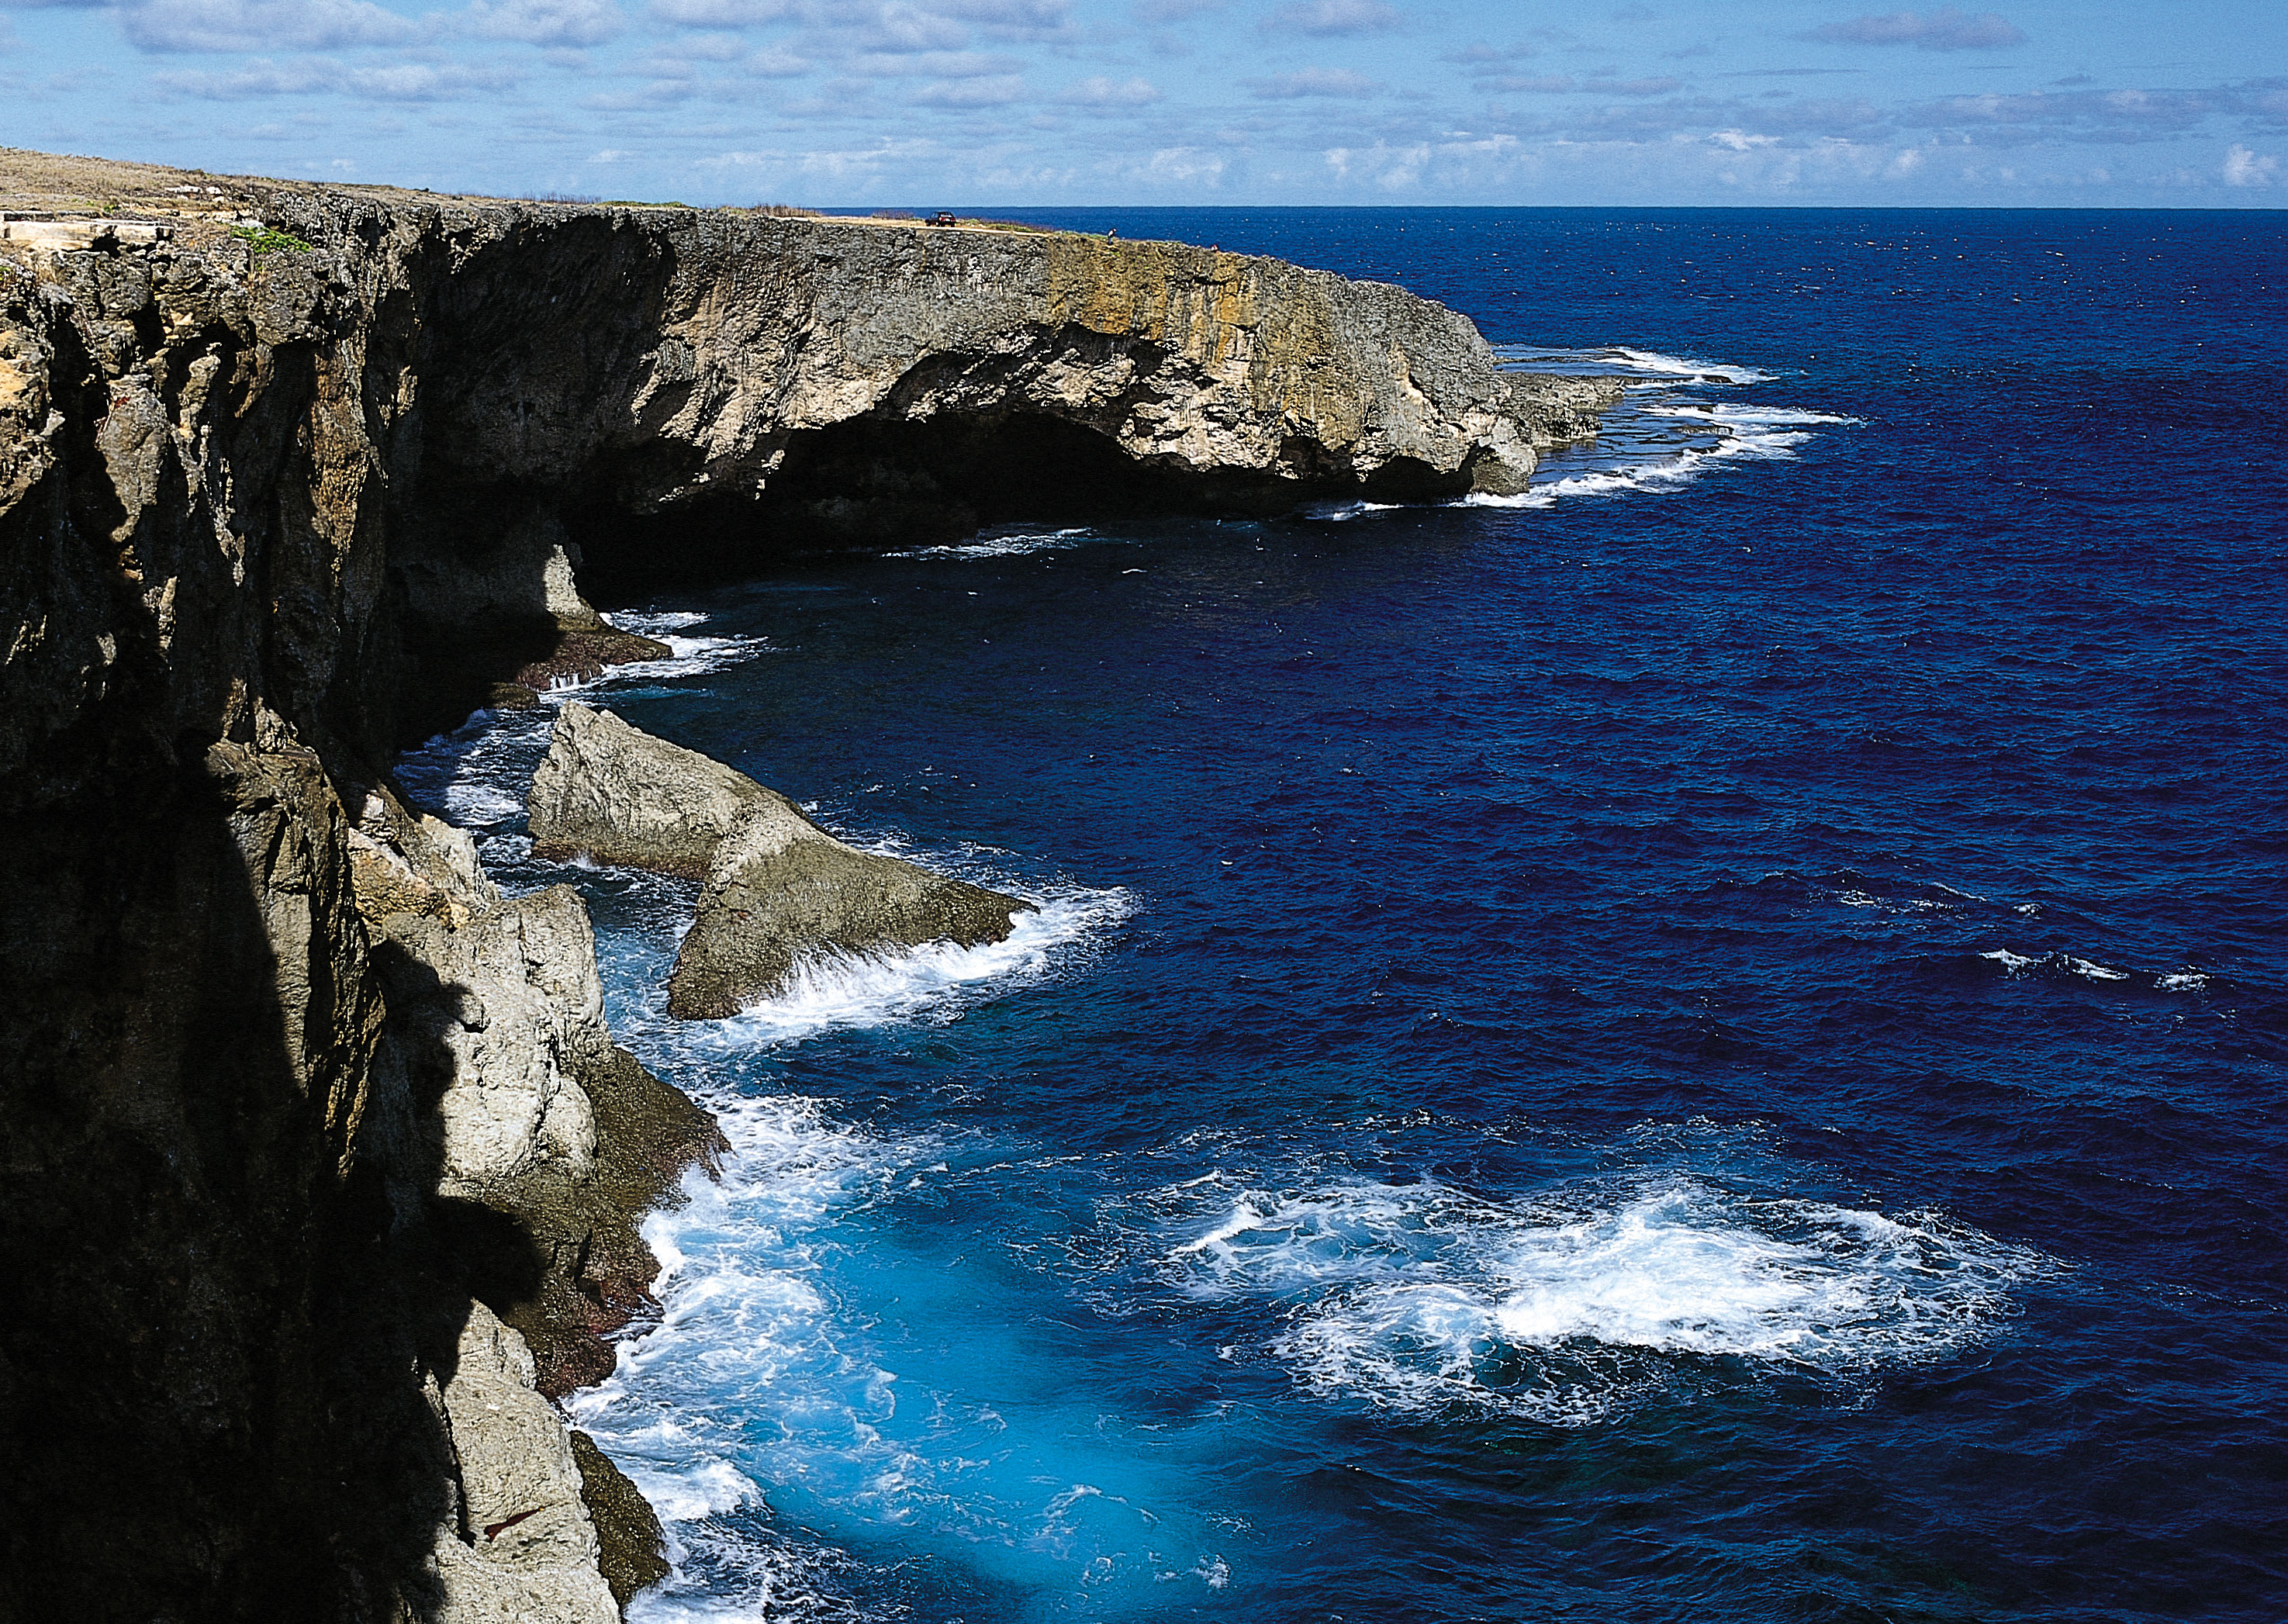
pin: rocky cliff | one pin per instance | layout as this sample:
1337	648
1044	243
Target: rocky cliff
322	1170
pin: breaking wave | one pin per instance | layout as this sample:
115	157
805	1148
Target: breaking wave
1568	1307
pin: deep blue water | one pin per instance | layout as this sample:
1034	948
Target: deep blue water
1706	1047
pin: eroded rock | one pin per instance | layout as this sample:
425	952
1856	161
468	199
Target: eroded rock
782	891
632	1548
614	794
522	1550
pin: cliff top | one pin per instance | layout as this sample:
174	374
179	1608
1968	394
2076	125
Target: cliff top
203	206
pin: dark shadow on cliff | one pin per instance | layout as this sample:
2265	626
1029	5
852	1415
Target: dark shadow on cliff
211	1374
881	482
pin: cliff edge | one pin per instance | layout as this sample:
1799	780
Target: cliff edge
323	1168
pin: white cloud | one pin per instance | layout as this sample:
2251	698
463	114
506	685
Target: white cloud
383	82
932	65
1186	164
1633	87
1944	29
264	25
1483	55
1157	12
995	93
1103	92
906	27
2245	168
720	14
1035	19
1325	17
1740	140
541	23
778	62
1313	81
258	77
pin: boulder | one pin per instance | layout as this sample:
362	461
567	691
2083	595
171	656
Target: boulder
781	891
613	794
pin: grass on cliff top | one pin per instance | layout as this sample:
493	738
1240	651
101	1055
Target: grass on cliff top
268	242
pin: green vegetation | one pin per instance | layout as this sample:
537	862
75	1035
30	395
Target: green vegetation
266	240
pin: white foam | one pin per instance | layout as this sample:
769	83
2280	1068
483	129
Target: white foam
657	625
2089	969
1667	368
1009	544
1421	1298
1336	512
692	657
2182	981
474	776
935	982
1670	472
1737	416
1679	366
749	1346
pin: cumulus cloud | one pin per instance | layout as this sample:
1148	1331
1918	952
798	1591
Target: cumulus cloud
1322	17
542	22
907	29
1186	164
264	25
1012	18
2245	168
383	82
426	81
720	14
2108	116
1313	81
1944	29
1564	84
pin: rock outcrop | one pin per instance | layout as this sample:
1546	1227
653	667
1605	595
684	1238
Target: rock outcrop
613	794
308	1131
781	894
781	891
521	1545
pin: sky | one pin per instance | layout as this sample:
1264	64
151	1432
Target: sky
924	103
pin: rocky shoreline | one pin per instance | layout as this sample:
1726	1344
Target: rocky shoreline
326	1168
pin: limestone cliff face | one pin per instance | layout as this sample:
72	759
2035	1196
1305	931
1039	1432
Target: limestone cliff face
318	1152
680	359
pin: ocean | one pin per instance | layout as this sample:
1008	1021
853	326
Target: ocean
1706	1043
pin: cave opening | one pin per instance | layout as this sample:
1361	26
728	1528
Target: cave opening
879	482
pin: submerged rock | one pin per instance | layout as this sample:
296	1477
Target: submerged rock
782	890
